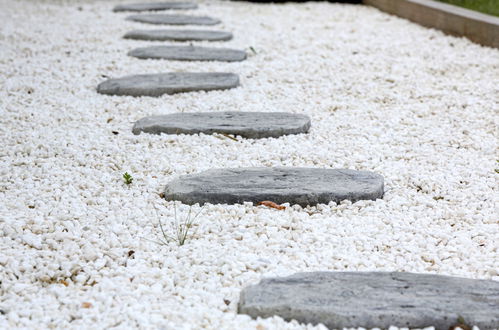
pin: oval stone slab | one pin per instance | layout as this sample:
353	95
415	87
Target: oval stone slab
178	35
252	125
374	300
173	19
294	185
189	53
168	83
154	6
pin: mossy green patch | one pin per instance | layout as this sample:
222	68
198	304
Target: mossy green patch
490	7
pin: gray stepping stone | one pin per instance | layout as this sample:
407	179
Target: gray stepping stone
374	300
189	53
294	185
173	19
168	83
154	6
178	35
252	125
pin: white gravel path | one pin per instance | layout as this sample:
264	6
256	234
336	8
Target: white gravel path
385	95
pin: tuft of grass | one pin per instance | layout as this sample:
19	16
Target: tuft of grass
490	7
461	324
128	178
182	230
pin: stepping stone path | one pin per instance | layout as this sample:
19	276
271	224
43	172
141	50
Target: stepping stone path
374	300
335	299
173	19
189	53
294	185
252	125
178	35
155	6
168	83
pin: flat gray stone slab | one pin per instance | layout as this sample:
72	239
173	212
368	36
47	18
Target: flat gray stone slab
252	125
168	83
173	19
178	35
154	6
294	185
189	53
374	300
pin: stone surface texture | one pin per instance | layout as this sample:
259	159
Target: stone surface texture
294	185
189	53
246	124
168	83
178	35
173	19
154	6
375	299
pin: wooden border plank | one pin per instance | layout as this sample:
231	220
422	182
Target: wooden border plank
480	28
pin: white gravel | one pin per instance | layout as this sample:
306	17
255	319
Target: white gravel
384	95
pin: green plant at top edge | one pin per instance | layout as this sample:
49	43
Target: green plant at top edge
490	7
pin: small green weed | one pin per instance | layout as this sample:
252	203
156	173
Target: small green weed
128	178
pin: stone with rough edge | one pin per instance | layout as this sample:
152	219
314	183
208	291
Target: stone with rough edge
189	53
374	300
154	6
178	35
252	125
173	19
294	185
168	83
